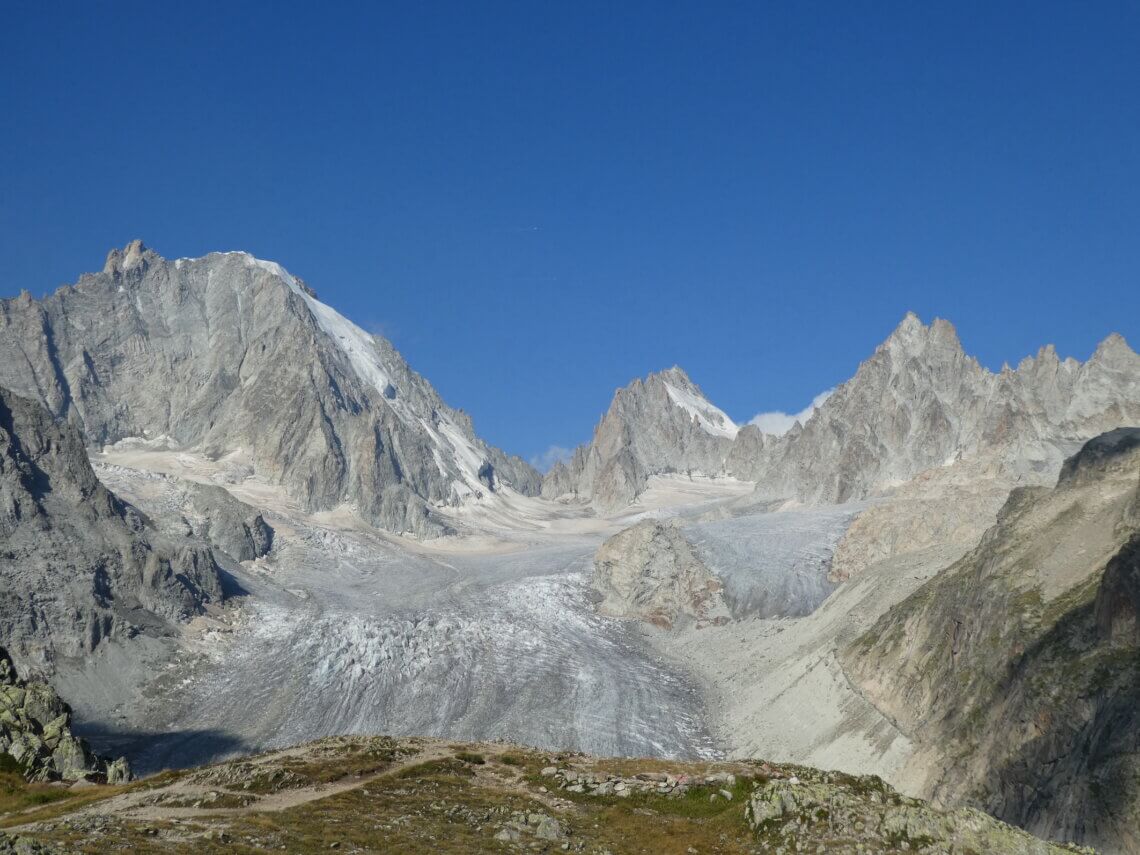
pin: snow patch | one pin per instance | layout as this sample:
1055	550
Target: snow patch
360	349
711	418
778	423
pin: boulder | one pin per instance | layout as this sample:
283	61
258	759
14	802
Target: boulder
35	731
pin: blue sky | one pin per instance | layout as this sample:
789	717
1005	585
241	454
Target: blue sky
538	202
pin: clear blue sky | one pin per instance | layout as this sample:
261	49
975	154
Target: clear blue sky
538	202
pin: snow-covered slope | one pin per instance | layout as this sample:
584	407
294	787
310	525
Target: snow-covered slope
712	419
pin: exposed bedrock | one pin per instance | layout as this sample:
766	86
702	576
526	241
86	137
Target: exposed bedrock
77	565
1017	669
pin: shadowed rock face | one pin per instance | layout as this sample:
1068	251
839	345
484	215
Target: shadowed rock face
227	354
918	403
1017	669
76	564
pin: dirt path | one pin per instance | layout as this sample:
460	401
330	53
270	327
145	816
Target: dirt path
133	805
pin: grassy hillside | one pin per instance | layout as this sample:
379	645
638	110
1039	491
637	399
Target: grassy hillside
379	794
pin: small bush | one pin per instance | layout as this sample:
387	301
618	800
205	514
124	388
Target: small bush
470	757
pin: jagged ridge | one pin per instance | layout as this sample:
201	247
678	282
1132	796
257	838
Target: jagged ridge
919	402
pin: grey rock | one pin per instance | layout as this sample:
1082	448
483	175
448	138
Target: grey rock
918	403
236	528
835	810
651	572
77	565
227	354
1014	669
26	846
35	731
662	424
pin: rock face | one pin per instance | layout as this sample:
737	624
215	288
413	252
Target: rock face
35	733
650	572
918	403
76	564
1015	670
228	354
661	424
231	525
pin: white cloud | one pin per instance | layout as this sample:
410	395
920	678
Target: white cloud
554	454
779	423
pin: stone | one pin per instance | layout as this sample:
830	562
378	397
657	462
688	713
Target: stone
37	734
651	572
109	572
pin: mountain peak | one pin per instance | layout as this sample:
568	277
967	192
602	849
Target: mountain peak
675	375
1113	347
122	260
913	336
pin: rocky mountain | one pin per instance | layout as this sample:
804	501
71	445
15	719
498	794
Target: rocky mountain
231	355
35	734
77	565
661	424
1016	671
918	403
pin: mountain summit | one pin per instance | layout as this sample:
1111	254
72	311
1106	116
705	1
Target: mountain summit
231	355
663	423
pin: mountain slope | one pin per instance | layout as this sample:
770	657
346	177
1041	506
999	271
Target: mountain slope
77	565
657	425
230	355
1017	669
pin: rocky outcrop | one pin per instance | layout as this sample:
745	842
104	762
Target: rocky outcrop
231	355
77	565
651	572
662	424
231	525
1015	670
842	813
35	734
